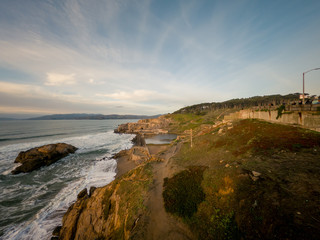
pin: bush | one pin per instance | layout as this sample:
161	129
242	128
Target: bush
183	192
280	110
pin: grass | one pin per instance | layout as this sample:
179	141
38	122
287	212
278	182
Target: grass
282	204
130	191
265	138
187	121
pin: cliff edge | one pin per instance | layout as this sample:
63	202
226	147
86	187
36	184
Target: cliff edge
240	179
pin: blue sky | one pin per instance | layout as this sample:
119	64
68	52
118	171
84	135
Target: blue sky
151	57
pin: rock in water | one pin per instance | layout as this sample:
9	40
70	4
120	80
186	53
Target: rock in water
139	140
42	156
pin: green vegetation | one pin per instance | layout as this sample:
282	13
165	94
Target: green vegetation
132	190
132	187
204	108
280	111
288	112
216	225
263	137
281	203
183	193
107	203
187	121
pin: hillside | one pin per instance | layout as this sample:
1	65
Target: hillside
261	181
241	179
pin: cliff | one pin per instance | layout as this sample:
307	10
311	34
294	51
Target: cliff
111	212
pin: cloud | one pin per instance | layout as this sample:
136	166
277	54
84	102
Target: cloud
24	98
20	89
152	59
137	95
56	79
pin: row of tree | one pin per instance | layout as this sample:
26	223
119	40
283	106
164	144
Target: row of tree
241	103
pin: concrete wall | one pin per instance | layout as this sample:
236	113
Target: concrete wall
306	119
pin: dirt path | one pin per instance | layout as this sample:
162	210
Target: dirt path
161	224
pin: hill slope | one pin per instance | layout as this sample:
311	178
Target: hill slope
245	179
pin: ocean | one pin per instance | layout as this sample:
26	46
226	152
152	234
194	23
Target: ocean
33	204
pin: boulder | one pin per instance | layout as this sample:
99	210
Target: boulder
139	155
139	141
83	194
42	156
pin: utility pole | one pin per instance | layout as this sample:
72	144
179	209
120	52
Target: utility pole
303	88
303	82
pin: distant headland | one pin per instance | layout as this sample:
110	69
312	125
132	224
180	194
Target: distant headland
85	116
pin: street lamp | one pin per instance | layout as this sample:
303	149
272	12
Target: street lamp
303	79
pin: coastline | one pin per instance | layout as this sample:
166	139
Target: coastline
134	197
235	171
46	193
124	164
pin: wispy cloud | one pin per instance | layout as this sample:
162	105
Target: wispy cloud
136	95
152	56
56	79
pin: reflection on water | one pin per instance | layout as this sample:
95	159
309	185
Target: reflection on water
160	139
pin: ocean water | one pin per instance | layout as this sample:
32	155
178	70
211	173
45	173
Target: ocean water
33	204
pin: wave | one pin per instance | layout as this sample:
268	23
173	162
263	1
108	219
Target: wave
31	137
47	193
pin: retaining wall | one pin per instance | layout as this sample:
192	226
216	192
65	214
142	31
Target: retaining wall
306	119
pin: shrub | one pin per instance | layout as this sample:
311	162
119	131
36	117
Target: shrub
183	192
280	110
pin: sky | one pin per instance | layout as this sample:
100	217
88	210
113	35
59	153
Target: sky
152	56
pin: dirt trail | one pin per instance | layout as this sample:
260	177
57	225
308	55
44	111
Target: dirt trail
161	224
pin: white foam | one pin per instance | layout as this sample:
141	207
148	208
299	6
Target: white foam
98	172
101	173
84	144
15	165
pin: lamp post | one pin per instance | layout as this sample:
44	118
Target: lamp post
303	80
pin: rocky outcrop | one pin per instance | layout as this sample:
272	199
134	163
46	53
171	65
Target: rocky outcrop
117	210
112	212
146	126
42	156
139	140
137	154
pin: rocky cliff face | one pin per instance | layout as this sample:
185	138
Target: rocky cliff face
42	156
118	210
146	126
115	211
